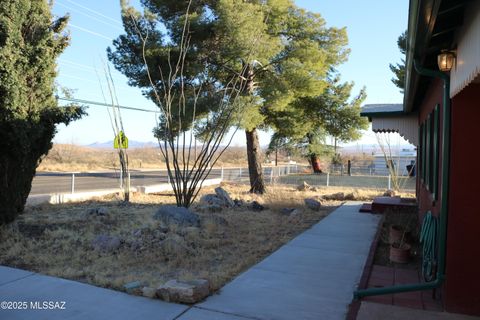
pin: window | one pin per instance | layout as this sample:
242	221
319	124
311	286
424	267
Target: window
435	150
429	149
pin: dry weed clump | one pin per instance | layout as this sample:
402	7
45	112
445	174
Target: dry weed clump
57	239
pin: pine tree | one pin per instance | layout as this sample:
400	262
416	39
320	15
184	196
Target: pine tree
281	51
30	41
334	112
399	68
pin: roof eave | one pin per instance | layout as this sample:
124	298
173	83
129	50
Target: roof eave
421	20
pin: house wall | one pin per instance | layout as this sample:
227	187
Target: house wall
462	287
461	292
426	202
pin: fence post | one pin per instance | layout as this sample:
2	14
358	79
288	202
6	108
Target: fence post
389	181
271	175
73	184
288	168
328	179
221	176
240	173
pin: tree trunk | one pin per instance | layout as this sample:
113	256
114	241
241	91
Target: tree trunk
257	184
15	183
315	162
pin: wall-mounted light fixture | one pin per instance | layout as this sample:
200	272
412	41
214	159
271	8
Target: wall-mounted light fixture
446	60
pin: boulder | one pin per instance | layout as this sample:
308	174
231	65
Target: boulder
191	291
313	204
295	213
133	287
339	196
106	243
303	187
211	199
149	292
224	196
170	214
239	202
350	196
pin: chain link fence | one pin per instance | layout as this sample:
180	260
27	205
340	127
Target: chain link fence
291	174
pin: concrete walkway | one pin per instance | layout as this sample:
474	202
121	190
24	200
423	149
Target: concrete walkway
311	277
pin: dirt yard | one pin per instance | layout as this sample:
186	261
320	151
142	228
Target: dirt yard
59	239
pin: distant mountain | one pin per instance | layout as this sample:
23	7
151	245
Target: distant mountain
131	144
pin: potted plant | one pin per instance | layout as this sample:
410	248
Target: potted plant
400	251
399	246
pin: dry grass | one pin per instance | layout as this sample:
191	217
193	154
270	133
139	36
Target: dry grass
69	157
56	239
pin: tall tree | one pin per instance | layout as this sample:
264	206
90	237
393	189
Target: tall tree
281	51
399	68
30	41
334	112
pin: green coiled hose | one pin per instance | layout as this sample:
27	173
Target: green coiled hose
428	238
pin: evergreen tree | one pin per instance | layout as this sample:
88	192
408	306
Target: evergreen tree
30	41
308	120
399	68
281	52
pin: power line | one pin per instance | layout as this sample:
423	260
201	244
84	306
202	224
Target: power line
90	31
85	68
93	11
90	16
95	103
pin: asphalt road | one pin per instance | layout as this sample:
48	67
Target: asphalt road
53	182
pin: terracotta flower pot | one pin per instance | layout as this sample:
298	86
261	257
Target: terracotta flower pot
400	254
395	234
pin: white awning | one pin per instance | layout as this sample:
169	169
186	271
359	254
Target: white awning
405	125
467	68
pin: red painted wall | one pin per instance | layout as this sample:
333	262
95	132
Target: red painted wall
433	96
462	286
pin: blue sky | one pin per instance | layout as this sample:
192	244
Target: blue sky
372	26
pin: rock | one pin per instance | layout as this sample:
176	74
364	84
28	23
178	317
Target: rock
106	243
339	196
191	291
255	206
349	196
132	287
149	292
295	213
170	214
287	211
389	193
224	196
211	199
313	204
239	202
303	187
